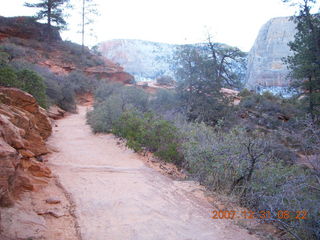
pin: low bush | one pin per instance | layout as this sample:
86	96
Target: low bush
243	164
105	114
165	101
4	59
26	80
129	97
33	84
147	132
59	90
105	90
81	83
8	78
112	100
245	93
13	50
165	80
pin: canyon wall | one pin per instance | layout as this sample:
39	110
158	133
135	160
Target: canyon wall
143	59
265	66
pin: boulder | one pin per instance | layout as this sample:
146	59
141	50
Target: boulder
55	112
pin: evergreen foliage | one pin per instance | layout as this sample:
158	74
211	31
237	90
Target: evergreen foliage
305	62
201	72
52	12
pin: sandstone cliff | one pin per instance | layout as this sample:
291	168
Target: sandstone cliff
24	127
143	59
265	66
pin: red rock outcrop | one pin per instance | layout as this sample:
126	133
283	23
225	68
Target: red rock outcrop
55	113
24	127
113	73
26	28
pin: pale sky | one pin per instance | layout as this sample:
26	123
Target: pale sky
234	22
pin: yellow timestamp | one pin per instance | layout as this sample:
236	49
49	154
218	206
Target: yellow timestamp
263	214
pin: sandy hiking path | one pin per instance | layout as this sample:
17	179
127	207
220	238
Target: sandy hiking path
117	197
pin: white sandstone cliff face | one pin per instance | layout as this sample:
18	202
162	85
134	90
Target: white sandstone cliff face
143	59
265	66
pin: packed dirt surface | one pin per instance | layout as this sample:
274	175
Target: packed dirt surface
118	197
45	213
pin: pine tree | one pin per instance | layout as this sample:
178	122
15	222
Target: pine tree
52	12
305	61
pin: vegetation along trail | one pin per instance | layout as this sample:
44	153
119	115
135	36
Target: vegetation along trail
118	197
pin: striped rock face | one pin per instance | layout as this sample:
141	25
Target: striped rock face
24	127
265	65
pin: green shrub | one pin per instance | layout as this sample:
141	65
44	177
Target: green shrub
13	50
25	80
245	93
4	59
165	101
243	164
145	131
165	80
67	101
8	78
278	187
105	90
59	90
33	84
81	83
129	97
104	115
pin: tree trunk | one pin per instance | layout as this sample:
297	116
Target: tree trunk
83	8
49	20
311	103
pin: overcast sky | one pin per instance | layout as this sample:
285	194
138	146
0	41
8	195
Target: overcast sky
233	22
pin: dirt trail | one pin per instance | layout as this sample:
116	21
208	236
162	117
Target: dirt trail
117	197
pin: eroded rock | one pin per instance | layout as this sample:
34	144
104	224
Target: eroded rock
265	60
24	127
53	200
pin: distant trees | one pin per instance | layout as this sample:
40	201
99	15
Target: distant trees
52	12
201	72
165	80
305	62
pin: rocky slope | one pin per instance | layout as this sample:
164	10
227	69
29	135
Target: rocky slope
143	59
265	66
23	130
25	27
25	40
